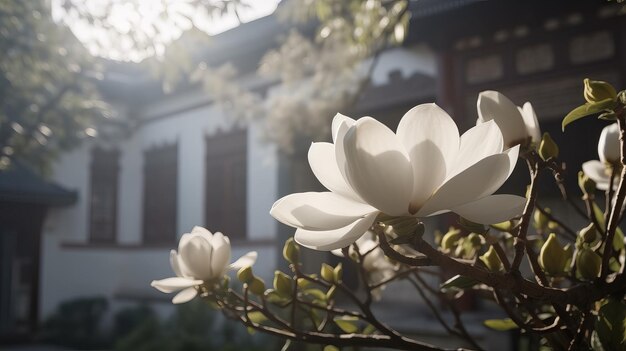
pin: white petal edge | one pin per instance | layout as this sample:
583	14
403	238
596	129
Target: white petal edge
493	105
530	120
492	209
185	296
476	182
378	167
323	163
336	123
318	211
431	139
596	170
221	254
334	239
169	285
244	261
477	143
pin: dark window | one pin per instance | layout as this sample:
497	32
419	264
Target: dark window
226	192
159	195
103	201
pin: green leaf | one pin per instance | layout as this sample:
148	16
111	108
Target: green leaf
330	348
458	282
587	110
257	317
347	323
315	293
369	329
611	325
500	324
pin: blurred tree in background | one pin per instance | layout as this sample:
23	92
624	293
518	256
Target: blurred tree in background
48	101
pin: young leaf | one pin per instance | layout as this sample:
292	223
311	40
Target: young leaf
458	282
347	323
257	317
587	110
611	325
501	324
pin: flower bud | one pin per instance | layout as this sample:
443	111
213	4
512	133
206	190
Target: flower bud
548	148
492	260
597	90
245	275
282	284
291	251
608	145
475	239
553	258
589	233
588	264
257	286
450	239
327	273
586	184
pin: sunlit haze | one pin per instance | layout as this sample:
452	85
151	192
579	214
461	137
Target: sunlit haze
131	30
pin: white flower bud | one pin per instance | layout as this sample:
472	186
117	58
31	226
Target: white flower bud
608	145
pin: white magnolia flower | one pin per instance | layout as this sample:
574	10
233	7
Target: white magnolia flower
519	125
376	265
423	169
609	154
201	257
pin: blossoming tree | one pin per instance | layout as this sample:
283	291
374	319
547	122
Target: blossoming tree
383	184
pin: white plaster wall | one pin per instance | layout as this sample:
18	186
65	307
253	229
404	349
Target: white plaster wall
71	271
415	59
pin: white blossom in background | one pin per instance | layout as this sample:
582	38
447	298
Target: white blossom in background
201	257
423	169
519	125
609	153
376	265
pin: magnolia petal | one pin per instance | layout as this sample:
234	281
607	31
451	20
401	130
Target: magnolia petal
202	231
478	142
477	181
175	263
334	239
596	170
337	121
196	255
340	154
492	209
318	211
608	145
169	285
246	260
185	296
221	254
494	106
530	120
378	167
324	165
431	139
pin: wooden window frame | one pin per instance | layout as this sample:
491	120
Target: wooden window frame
104	169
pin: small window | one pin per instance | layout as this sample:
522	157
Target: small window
160	195
226	189
103	200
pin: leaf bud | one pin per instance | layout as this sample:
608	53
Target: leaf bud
291	251
589	233
245	275
588	264
492	260
597	90
541	220
553	258
282	284
586	184
337	273
327	273
548	148
450	239
257	286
